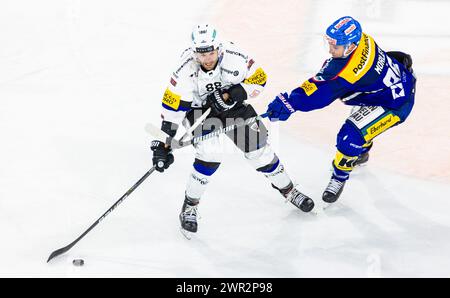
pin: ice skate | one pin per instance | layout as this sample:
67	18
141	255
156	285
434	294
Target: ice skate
188	218
333	190
298	199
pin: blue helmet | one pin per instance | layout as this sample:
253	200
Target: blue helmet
344	31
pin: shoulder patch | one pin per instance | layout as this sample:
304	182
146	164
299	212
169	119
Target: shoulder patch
171	99
309	87
250	63
259	78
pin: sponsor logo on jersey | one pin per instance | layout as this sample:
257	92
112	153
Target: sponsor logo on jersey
309	87
236	53
344	162
173	82
279	170
202	181
182	65
171	99
363	112
380	126
259	77
232	72
366	115
361	61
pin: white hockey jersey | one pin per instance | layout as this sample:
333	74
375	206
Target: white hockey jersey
190	84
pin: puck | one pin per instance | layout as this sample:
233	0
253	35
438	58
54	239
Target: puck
78	262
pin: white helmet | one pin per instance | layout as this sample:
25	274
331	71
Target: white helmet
204	38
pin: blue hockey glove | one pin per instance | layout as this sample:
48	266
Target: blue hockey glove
280	108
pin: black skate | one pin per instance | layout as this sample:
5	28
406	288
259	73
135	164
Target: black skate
333	190
298	199
188	217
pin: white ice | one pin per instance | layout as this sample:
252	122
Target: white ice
79	80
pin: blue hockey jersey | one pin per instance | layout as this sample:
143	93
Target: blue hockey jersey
366	77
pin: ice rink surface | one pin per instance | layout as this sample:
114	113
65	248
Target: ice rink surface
79	80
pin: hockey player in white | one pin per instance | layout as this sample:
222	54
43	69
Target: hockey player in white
218	76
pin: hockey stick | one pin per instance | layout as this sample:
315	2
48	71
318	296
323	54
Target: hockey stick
176	144
66	248
196	123
164	137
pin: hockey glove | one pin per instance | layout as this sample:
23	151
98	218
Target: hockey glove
237	93
162	156
218	104
280	108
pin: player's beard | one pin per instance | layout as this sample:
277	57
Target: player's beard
210	66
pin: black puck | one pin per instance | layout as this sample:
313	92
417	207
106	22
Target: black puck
78	262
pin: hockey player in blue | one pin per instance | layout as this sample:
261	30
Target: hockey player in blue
359	73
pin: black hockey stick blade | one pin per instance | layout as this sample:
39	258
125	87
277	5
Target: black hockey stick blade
59	252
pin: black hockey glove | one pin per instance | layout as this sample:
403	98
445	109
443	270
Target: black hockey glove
217	103
403	58
162	156
237	93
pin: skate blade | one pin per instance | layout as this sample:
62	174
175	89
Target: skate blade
320	208
326	205
315	211
188	235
